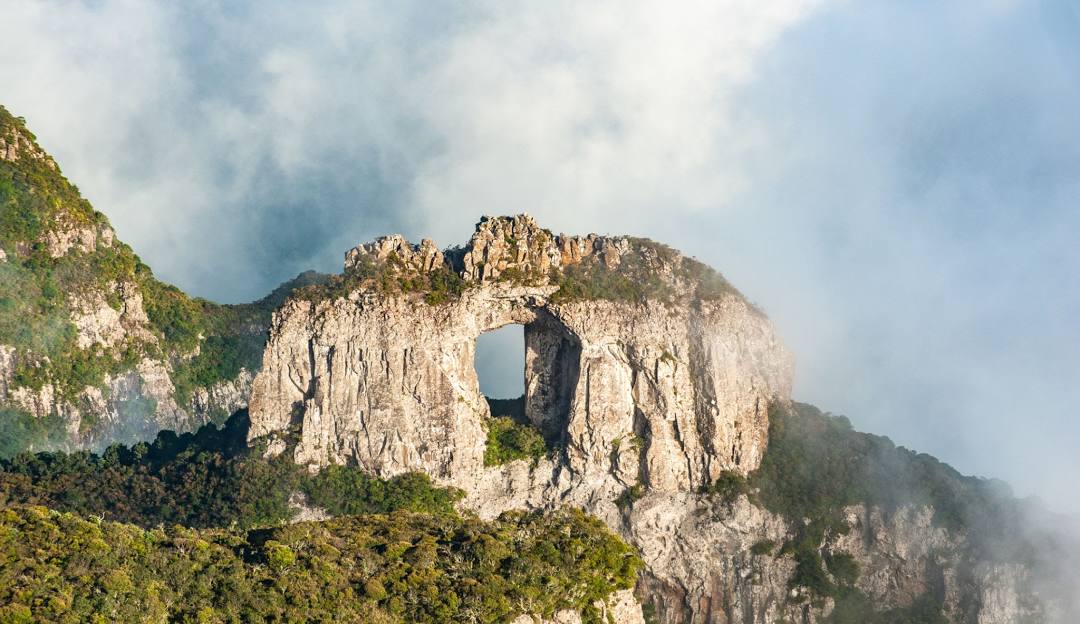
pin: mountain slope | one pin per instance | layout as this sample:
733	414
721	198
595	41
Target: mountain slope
93	347
657	400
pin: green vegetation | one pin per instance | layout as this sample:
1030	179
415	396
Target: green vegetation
763	547
204	479
816	465
727	487
508	440
391	276
36	291
37	202
630	495
20	430
510	435
408	556
635	279
400	567
343	490
853	607
647	271
234	338
638	277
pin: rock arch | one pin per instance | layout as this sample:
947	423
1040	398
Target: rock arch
663	392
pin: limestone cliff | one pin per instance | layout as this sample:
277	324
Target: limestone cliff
649	377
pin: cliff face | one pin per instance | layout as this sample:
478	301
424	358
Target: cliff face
649	379
665	394
717	562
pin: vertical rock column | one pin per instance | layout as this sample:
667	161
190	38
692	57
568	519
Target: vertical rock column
552	361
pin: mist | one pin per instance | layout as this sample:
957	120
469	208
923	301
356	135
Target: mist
894	183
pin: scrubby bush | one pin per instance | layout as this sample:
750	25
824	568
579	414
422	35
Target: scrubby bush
727	487
343	490
508	440
816	465
763	547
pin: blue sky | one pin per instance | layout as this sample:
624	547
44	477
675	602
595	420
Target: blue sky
896	183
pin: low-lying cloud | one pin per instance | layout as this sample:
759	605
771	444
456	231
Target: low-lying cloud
895	183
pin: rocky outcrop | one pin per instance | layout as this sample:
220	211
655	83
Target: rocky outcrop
621	607
107	352
667	394
399	252
222	399
66	236
720	562
14	144
649	375
127	408
99	322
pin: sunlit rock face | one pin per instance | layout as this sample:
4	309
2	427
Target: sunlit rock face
647	372
666	393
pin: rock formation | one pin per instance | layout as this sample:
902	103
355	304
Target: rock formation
664	393
647	372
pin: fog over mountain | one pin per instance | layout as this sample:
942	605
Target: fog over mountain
894	183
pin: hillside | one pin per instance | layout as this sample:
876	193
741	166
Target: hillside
93	347
326	454
816	471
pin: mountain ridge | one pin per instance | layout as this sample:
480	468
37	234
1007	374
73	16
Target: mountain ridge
93	347
658	402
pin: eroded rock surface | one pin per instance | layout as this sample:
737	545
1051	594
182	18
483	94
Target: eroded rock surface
668	394
648	373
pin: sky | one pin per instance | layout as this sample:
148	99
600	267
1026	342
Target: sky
895	183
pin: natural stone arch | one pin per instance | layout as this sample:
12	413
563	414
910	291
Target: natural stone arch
659	374
552	362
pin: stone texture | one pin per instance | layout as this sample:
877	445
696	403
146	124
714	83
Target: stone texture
223	398
15	145
422	258
99	323
665	394
388	383
65	236
133	406
702	569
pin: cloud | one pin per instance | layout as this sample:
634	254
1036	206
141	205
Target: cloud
894	182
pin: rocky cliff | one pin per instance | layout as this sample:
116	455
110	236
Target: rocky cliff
651	381
93	348
666	393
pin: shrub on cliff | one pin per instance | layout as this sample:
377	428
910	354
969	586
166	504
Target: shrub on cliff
508	440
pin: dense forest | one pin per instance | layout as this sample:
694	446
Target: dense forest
397	567
235	505
194	528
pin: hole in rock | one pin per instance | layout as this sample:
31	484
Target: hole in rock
500	367
529	374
